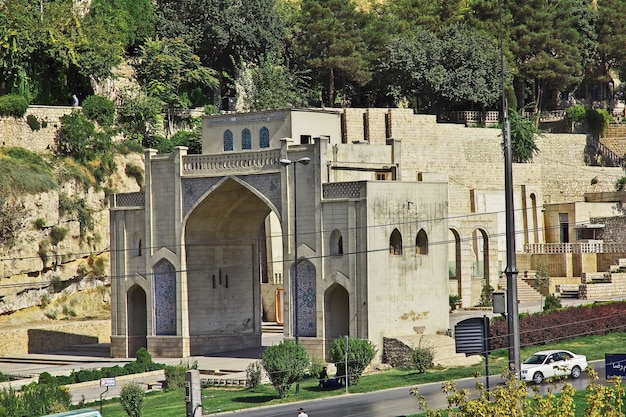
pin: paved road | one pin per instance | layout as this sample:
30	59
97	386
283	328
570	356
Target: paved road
395	402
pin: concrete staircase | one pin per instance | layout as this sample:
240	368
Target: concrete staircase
525	292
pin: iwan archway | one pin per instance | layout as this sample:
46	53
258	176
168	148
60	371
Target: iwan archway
223	242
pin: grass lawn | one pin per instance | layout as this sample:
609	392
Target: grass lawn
171	403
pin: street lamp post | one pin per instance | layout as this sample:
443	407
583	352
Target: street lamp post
286	162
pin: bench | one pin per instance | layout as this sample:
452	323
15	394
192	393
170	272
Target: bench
152	385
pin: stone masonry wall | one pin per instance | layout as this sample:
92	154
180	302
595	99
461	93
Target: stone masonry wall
54	337
613	232
16	132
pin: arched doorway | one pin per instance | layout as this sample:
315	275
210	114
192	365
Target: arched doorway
336	312
223	255
479	248
137	320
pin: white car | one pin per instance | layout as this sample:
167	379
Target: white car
551	364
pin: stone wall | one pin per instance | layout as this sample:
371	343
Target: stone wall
16	132
54	337
613	230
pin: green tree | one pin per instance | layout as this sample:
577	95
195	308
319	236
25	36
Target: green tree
138	116
168	70
285	364
270	84
547	48
131	399
331	41
360	354
223	32
456	66
523	133
542	280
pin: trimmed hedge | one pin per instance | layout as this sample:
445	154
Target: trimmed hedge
85	375
565	324
13	105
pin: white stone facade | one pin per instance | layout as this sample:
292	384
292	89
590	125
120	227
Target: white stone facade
393	213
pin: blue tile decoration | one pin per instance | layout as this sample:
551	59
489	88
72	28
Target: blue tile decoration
307	308
246	139
194	188
264	138
268	185
228	140
164	298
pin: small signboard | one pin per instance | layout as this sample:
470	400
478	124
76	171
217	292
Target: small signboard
107	382
615	365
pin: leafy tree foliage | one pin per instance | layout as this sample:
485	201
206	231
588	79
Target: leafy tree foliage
99	109
138	116
131	399
223	32
331	40
360	354
285	364
269	85
169	71
523	133
547	48
456	66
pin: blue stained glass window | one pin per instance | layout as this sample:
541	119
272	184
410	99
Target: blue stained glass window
246	139
265	138
228	140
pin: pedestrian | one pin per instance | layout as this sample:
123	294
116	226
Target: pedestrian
301	413
75	101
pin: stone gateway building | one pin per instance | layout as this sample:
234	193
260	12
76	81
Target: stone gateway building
335	222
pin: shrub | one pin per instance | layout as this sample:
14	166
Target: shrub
620	183
136	367
40	223
75	136
595	319
598	120
552	303
143	356
454	301
99	109
190	139
175	376
114	371
13	105
254	373
285	364
575	113
33	122
57	234
131	399
422	358
360	354
46	378
160	143
136	172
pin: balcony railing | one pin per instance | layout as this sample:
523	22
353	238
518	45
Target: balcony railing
578	247
240	161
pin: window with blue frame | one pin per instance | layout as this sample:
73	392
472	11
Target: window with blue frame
228	140
246	139
264	141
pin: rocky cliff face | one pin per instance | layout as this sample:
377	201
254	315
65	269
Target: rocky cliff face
59	251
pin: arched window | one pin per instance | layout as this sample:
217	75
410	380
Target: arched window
395	243
264	141
246	139
228	140
336	243
421	243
